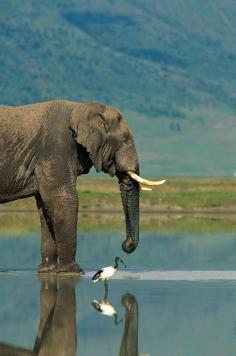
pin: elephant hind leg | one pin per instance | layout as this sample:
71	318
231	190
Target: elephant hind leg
48	243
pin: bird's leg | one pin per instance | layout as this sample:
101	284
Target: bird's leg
116	321
106	290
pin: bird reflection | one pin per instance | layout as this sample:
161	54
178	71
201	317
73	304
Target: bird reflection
57	328
105	308
129	343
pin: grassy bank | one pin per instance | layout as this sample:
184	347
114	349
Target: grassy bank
176	195
25	222
196	205
28	222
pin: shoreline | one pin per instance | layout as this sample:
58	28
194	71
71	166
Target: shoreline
120	211
178	197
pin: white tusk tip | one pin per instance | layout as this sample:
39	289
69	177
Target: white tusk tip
145	182
143	189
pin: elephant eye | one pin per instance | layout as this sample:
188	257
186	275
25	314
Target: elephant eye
123	141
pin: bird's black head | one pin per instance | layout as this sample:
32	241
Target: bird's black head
119	259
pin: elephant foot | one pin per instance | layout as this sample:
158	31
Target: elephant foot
47	268
72	268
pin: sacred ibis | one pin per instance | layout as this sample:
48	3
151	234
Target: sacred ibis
106	273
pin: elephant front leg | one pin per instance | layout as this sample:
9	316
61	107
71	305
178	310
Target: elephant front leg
48	244
62	208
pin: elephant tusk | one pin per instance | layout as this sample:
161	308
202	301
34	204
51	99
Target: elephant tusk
142	188
144	181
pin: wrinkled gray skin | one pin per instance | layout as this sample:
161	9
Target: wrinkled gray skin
44	147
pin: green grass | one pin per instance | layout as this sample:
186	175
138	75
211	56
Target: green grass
177	194
182	204
25	223
192	200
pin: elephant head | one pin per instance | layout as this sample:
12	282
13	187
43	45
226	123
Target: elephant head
102	131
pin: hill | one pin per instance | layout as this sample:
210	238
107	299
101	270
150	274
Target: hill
169	65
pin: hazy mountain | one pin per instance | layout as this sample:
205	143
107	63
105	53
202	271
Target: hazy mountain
168	64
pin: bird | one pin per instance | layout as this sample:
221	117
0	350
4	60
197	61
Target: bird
106	273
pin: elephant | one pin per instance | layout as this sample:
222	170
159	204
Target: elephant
44	147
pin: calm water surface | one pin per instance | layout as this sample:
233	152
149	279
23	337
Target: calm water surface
193	315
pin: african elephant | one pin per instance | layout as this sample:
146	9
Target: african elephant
44	147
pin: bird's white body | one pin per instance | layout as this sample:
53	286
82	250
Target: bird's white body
104	307
104	273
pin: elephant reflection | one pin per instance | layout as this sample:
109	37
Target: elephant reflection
129	343
57	327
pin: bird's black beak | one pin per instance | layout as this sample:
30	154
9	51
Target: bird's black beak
122	262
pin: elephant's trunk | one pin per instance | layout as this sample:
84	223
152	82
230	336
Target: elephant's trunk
130	199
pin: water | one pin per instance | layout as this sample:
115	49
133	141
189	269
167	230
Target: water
177	297
156	251
167	318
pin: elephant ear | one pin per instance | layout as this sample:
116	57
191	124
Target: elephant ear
89	128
